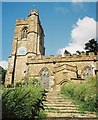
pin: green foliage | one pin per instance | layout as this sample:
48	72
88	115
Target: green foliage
67	52
33	81
24	100
91	46
2	75
42	115
82	93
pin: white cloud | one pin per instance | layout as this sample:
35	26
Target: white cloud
82	32
4	64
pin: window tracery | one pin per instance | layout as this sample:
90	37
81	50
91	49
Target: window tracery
25	32
87	71
45	77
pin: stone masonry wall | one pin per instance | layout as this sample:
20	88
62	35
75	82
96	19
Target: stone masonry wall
61	68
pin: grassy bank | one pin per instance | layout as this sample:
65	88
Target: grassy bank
83	94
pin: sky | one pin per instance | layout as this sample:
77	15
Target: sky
67	25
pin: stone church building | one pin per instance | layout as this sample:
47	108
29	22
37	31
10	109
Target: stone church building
28	59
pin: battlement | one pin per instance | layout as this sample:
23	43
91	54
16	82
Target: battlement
21	21
25	21
59	58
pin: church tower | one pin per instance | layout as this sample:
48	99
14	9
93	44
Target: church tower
28	41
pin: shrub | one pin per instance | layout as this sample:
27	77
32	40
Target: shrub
23	101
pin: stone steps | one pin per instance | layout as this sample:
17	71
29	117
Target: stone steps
59	102
70	118
62	108
56	106
61	111
72	115
59	98
60	105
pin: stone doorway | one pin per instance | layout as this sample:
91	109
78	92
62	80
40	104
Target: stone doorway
44	76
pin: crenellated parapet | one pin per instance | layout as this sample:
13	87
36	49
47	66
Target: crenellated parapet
59	58
21	21
31	17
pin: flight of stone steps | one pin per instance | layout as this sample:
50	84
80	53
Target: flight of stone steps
56	106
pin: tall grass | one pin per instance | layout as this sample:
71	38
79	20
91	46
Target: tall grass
83	94
24	100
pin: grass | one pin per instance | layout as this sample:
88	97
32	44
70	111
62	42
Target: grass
83	94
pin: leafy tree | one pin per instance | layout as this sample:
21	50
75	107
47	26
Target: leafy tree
91	46
78	52
66	52
2	75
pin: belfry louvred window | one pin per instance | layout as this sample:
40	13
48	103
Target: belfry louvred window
25	33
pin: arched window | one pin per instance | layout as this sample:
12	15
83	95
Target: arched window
44	76
86	72
24	32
